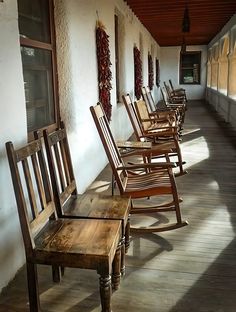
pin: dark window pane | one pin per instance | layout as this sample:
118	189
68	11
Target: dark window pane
34	20
38	81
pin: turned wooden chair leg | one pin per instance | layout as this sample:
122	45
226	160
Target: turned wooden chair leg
122	265
127	235
105	292
176	201
116	268
56	274
32	279
180	160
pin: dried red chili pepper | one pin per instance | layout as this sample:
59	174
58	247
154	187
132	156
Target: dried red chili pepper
150	72
104	72
157	73
138	79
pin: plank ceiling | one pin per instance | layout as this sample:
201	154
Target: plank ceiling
163	19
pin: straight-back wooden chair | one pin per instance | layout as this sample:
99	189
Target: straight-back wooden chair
82	243
69	203
171	147
157	182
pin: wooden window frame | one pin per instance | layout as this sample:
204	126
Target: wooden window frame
117	58
197	54
26	42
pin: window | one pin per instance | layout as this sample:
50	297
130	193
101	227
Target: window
232	74
190	67
214	67
117	57
37	41
209	59
223	66
119	53
232	65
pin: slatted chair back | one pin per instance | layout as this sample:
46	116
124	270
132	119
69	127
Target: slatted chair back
110	146
148	98
171	85
164	96
129	105
32	190
145	98
60	165
168	91
143	114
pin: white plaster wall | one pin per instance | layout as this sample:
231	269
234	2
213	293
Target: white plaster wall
169	69
12	127
77	67
77	71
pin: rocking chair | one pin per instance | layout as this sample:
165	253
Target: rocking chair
158	180
158	146
179	91
153	109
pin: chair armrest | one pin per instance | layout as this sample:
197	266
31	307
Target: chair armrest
163	165
164	128
176	104
153	135
154	119
178	90
148	153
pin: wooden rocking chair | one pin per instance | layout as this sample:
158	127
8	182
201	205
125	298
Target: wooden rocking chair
81	243
158	147
173	97
179	91
174	104
169	133
155	182
154	110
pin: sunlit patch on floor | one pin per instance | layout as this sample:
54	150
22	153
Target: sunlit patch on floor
197	148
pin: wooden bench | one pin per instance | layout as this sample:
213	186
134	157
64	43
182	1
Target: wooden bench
79	243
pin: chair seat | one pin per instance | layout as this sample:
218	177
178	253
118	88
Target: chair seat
98	206
147	184
81	243
158	126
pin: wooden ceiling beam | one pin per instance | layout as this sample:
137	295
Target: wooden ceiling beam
207	17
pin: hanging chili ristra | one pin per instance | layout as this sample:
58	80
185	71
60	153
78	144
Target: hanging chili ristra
104	72
138	79
150	72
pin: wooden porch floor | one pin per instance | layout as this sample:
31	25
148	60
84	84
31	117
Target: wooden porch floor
189	269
